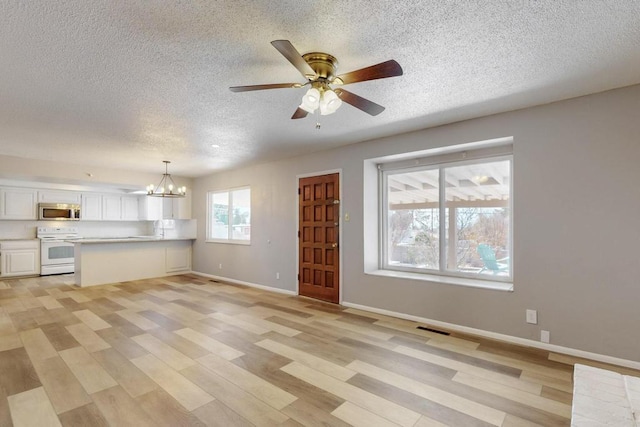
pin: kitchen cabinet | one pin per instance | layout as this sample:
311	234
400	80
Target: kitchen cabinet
120	208
178	258
19	258
150	208
155	208
18	203
59	196
91	207
129	208
100	261
111	207
176	208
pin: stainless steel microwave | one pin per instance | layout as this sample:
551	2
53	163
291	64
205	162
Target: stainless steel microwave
58	212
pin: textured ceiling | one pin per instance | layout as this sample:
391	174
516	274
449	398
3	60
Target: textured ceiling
134	82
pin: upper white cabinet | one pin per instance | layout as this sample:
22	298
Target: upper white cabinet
59	196
176	208
120	208
111	207
18	203
130	211
91	209
150	208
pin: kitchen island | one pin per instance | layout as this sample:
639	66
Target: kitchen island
120	259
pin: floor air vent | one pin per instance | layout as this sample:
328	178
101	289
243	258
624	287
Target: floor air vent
424	328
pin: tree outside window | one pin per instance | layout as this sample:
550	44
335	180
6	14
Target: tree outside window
467	235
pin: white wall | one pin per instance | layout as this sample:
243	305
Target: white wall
576	225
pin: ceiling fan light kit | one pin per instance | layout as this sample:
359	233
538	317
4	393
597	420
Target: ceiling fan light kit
310	100
329	102
326	99
320	71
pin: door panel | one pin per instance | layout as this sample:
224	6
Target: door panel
318	237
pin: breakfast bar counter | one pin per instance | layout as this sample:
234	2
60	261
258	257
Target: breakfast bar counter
100	261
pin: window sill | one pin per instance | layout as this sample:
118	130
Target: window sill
445	280
230	242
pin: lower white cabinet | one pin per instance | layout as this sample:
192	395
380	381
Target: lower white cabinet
19	258
178	258
98	262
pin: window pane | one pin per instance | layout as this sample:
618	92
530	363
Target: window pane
220	216
477	204
413	220
241	224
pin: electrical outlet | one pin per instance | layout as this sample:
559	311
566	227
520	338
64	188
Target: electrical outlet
220	266
278	276
532	317
545	336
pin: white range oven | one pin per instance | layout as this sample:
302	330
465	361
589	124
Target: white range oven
56	255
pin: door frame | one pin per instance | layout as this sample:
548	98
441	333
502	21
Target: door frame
340	221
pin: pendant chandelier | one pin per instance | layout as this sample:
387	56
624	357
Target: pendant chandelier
166	187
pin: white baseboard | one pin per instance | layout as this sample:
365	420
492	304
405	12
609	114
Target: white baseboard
240	282
502	337
453	327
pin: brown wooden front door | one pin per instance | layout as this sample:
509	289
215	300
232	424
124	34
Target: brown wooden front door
319	214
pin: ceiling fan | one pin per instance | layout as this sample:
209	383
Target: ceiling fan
320	71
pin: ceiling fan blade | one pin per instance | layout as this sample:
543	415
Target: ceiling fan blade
379	71
359	102
288	51
299	114
262	87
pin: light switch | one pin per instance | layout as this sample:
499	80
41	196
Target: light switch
346	216
532	317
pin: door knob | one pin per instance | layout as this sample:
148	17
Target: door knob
334	245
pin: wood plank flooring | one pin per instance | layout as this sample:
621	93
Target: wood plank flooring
189	351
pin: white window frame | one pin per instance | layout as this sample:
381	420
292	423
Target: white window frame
229	239
441	163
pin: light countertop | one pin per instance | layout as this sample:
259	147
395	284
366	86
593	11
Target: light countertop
131	239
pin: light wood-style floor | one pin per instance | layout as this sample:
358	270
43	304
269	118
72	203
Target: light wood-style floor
185	350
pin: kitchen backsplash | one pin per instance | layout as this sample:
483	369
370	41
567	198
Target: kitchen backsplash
27	229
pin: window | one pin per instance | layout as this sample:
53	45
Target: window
229	216
448	216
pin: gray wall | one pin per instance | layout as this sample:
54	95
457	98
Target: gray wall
576	225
